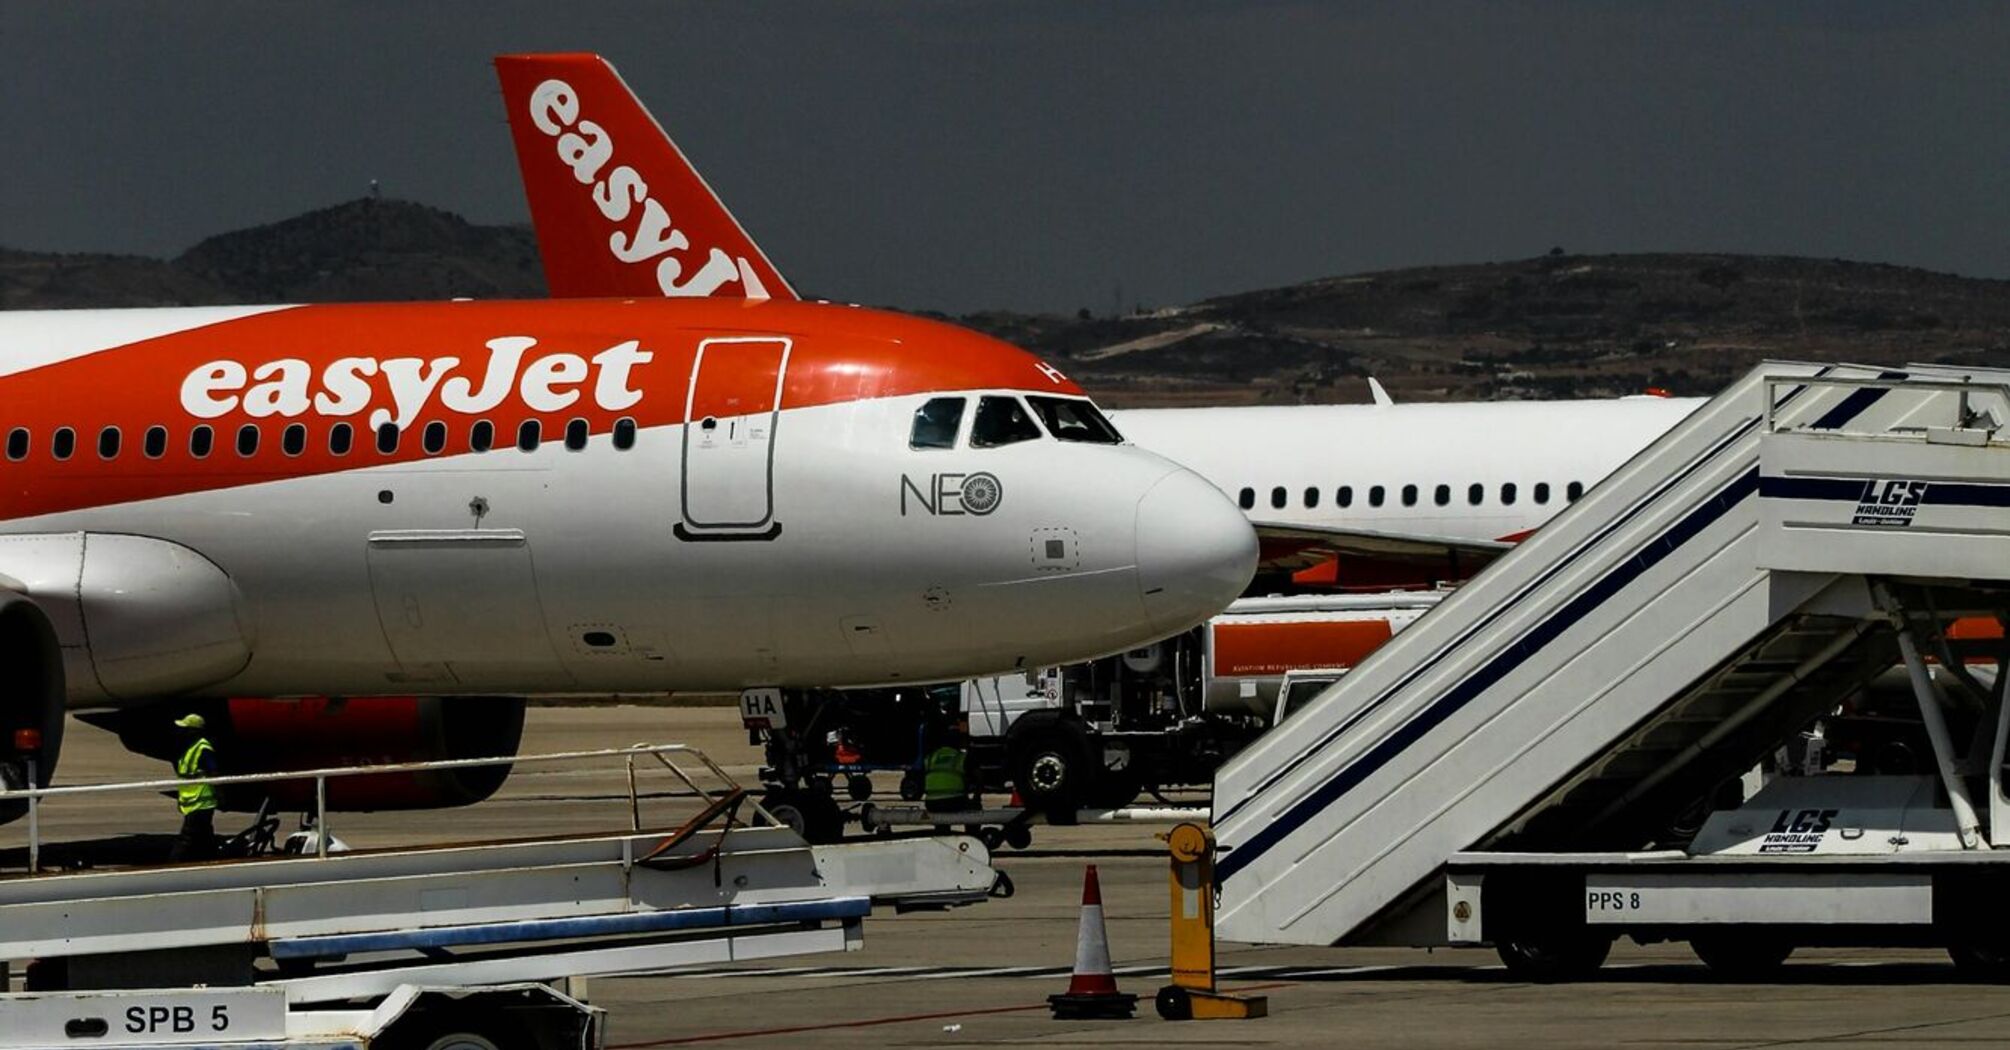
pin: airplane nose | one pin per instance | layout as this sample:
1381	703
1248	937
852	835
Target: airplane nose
1196	552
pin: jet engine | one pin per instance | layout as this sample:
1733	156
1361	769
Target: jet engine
269	736
31	697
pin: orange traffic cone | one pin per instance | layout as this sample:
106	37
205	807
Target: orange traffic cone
1092	991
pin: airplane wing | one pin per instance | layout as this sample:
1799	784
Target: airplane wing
619	211
1289	548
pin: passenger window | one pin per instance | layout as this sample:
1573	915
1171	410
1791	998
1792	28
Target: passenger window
1075	419
200	440
482	436
247	439
1476	493
936	423
1442	495
341	438
154	443
108	443
624	433
528	435
1409	495
1001	421
1574	490
1247	498
1277	497
17	443
293	440
64	443
576	433
434	437
1375	496
1507	494
1345	496
1542	492
1311	497
387	438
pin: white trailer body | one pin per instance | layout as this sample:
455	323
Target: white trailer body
1234	664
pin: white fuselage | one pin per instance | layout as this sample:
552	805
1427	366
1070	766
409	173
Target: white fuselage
1322	464
802	544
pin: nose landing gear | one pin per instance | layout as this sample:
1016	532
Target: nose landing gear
809	812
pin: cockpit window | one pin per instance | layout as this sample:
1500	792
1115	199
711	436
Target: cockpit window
1002	421
936	422
1075	419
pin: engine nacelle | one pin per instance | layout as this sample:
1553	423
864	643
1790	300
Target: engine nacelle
269	736
134	616
31	697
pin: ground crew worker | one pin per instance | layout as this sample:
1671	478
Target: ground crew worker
942	783
197	802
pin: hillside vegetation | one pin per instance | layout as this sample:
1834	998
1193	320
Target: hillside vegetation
1557	325
1552	326
364	250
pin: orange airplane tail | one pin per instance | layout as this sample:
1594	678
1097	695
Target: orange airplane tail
619	211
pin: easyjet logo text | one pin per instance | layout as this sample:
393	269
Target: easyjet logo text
644	232
397	390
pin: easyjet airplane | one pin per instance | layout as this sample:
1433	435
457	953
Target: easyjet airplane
554	497
1361	494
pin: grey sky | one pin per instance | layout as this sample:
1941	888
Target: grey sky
1033	155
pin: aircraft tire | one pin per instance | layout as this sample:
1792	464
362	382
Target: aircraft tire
811	814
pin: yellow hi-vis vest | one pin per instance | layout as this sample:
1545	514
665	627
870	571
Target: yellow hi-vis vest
943	774
194	798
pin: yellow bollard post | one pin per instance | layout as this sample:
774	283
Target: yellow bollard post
1192	995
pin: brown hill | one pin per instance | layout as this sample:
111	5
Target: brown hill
362	250
48	281
371	250
1556	325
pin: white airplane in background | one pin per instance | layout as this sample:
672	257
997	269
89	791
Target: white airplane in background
1374	494
1347	494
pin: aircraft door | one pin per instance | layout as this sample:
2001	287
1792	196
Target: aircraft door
730	418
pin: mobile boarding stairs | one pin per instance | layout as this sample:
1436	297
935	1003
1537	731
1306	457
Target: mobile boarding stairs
337	948
1527	765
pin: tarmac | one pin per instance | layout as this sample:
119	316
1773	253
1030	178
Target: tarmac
981	975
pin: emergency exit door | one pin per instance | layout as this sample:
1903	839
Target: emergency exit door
730	416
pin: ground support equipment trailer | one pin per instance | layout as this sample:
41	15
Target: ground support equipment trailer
464	945
1075	743
1523	766
1094	734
